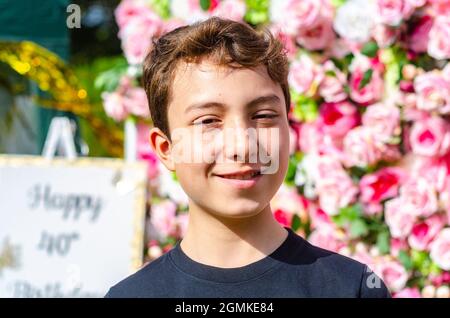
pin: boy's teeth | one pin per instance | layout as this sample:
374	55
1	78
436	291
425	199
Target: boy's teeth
246	176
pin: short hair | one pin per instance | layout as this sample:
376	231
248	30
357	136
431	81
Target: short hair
226	42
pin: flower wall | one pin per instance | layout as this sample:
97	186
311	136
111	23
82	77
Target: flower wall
369	172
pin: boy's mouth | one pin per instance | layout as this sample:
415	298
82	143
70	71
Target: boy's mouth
240	179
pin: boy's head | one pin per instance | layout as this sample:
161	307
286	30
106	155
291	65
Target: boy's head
219	99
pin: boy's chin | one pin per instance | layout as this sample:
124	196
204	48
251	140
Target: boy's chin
239	213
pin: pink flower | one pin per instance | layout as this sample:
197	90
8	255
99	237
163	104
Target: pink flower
337	119
317	37
129	10
290	201
439	45
361	147
392	12
114	105
145	151
424	232
384	35
393	274
283	217
327	237
433	92
419	36
379	186
137	36
383	119
163	217
419	196
286	39
332	86
305	76
408	293
334	186
136	102
300	14
398	217
440	249
373	89
311	137
230	9
440	7
430	137
398	245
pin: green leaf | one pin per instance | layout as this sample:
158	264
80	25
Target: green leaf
358	228
205	4
330	73
366	78
405	260
383	242
257	11
292	168
296	222
306	109
337	3
370	49
109	80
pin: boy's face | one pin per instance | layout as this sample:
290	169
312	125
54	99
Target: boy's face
223	123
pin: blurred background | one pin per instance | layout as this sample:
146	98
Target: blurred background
369	173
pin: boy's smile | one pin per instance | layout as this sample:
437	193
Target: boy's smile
229	137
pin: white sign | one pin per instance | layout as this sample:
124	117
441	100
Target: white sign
69	228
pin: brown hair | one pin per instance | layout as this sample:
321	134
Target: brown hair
228	42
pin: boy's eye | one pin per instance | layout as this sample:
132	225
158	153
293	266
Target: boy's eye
205	121
265	116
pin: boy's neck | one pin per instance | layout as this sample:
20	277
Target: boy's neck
229	243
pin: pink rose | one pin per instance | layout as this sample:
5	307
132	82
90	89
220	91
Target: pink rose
419	196
398	217
440	249
440	7
337	119
379	186
327	237
424	232
365	93
230	9
317	37
311	137
439	45
300	14
290	201
419	36
392	12
433	92
283	217
163	217
136	102
287	40
334	186
332	86
384	35
137	36
361	147
430	137
145	151
393	274
114	105
413	292
398	245
305	76
129	10
383	119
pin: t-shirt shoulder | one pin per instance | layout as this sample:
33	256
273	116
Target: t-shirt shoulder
148	276
344	271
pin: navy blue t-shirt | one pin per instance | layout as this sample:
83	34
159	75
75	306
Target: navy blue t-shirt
295	269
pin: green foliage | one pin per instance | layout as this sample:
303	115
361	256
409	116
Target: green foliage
257	11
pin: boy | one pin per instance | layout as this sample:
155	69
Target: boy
218	92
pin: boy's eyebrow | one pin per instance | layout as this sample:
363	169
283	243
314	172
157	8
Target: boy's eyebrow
271	99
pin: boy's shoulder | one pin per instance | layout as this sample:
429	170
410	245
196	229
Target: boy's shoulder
152	277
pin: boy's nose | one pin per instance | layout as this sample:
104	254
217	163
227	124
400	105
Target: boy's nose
238	142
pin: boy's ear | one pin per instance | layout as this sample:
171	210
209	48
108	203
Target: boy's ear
162	146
